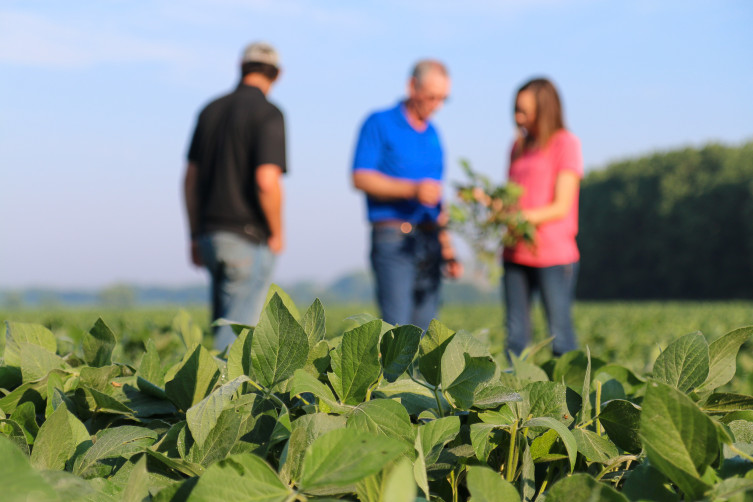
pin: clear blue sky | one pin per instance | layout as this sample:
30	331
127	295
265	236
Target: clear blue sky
98	99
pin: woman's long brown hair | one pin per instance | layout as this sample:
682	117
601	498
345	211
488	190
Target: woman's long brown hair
548	115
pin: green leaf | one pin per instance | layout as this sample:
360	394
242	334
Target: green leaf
544	399
317	362
582	487
399	483
98	344
491	394
279	345
527	481
383	417
486	485
684	364
240	478
220	440
435	435
419	467
622	420
415	397
122	441
398	349
106	404
195	378
681	441
722	358
594	447
727	403
150	368
18	333
432	347
37	362
25	416
484	438
188	331
58	440
19	481
314	322
648	483
304	382
355	362
475	372
239	355
274	289
304	431
202	417
585	411
137	488
99	378
565	434
345	456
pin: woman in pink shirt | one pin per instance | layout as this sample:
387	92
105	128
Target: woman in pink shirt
546	161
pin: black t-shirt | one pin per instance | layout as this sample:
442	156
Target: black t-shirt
234	135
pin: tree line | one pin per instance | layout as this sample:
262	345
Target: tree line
673	225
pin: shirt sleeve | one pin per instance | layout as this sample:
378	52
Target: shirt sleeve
569	156
271	141
194	150
369	146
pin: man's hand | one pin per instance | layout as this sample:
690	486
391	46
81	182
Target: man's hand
453	268
429	192
275	244
195	255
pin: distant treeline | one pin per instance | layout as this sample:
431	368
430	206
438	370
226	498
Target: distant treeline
671	225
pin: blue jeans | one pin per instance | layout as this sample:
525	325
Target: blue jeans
407	270
241	273
557	287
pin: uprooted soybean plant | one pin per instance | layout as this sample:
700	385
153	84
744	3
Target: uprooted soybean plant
380	413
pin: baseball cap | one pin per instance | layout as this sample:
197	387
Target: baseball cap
261	52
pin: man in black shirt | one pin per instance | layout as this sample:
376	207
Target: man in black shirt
233	191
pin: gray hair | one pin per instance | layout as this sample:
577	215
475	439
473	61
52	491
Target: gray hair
427	66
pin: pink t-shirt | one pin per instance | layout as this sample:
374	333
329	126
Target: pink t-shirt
536	171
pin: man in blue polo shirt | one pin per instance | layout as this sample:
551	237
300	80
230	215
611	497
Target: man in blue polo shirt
398	164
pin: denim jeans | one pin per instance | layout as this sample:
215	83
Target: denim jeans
240	273
407	271
557	287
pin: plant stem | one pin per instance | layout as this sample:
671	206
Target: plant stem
598	406
510	469
371	388
740	452
439	403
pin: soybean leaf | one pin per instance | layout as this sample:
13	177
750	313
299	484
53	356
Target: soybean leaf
239	355
493	393
71	488
594	447
219	441
461	391
646	482
415	397
183	466
680	440
15	433
188	331
122	441
25	416
304	431
202	417
419	467
527	482
486	485
58	440
399	483
313	323
98	344
290	306
345	456
279	345
383	417
727	403
150	368
432	347
621	420
583	487
585	411
722	357
18	333
318	359
137	488
37	361
304	382
484	438
544	399
355	362
242	477
99	378
398	348
436	434
194	379
527	371
18	479
684	364
567	437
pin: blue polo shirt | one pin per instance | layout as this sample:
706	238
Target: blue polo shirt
387	143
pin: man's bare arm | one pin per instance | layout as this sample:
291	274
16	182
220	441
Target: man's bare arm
192	208
268	179
383	187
